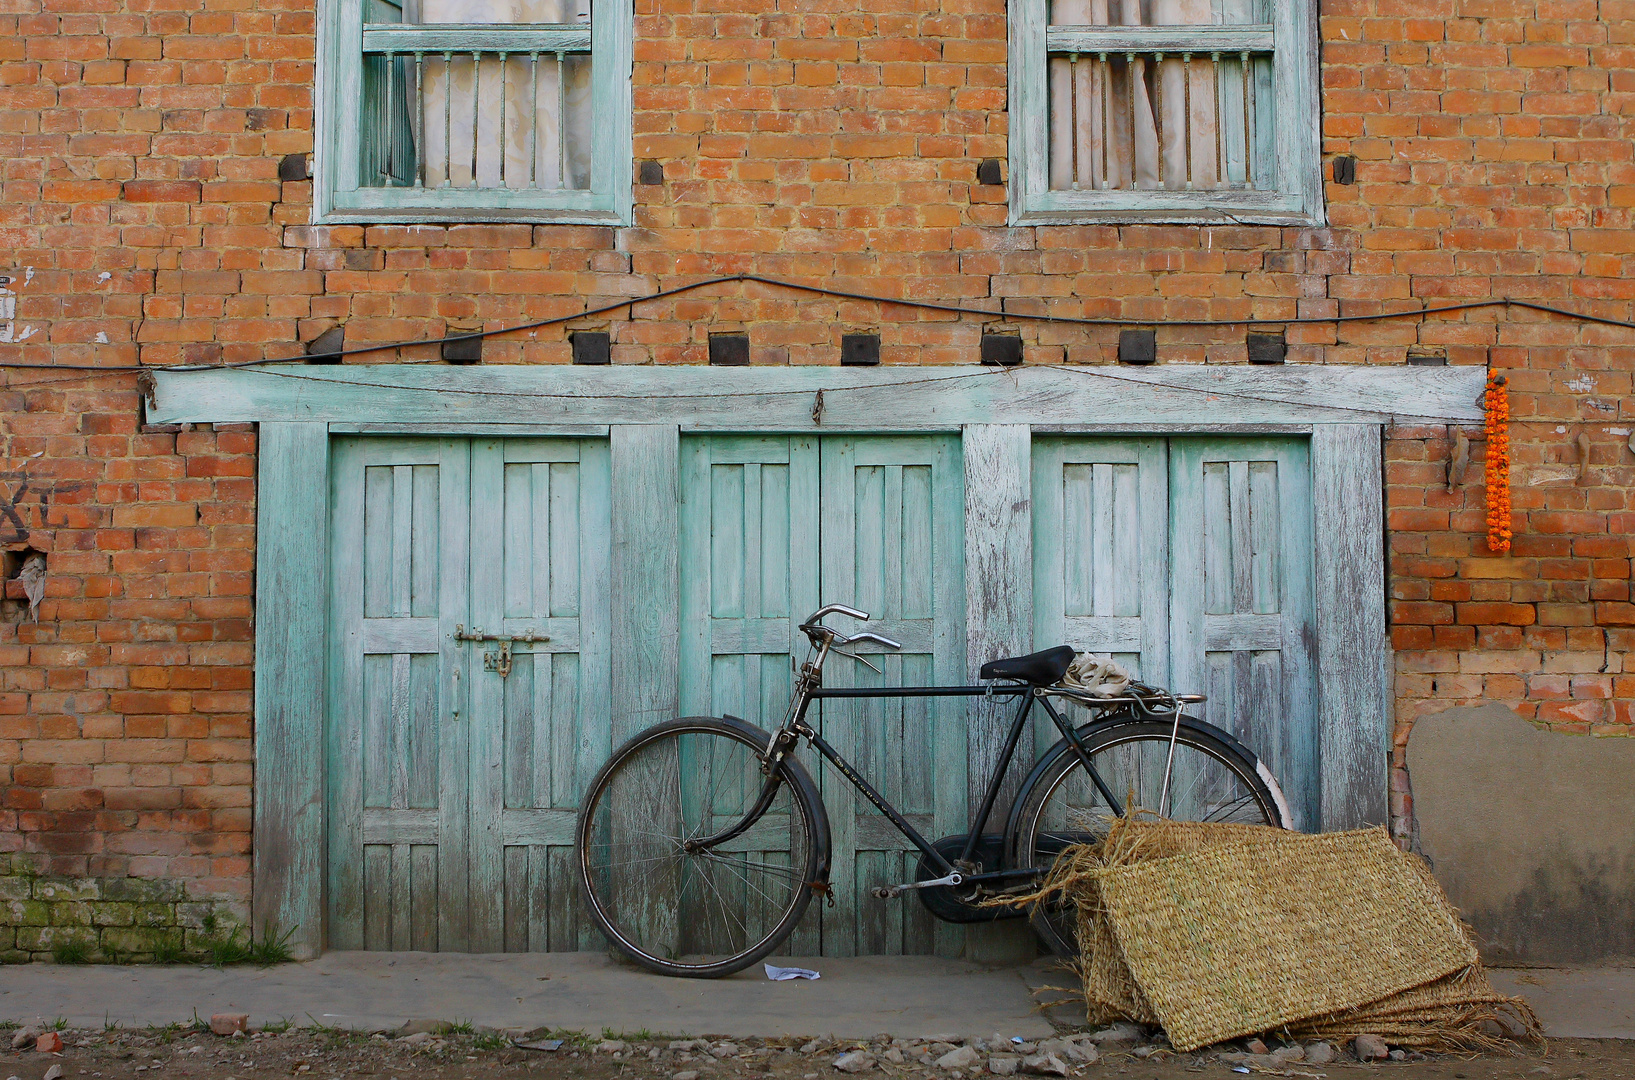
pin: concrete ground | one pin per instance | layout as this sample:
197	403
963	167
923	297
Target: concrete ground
855	998
1576	1003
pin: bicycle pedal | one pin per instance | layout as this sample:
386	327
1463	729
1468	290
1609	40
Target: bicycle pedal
886	892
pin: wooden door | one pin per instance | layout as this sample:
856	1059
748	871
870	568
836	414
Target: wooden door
749	574
397	753
453	785
893	537
1243	628
539	732
773	528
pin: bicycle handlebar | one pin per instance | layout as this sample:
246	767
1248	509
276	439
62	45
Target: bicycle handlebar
815	629
876	638
836	609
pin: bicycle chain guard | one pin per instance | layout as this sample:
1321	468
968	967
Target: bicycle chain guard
944	902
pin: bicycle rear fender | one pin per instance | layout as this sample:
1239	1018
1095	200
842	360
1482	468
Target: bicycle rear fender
1122	718
803	780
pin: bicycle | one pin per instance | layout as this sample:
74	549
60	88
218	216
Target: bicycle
702	840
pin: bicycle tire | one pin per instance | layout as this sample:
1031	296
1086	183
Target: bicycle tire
1245	785
655	914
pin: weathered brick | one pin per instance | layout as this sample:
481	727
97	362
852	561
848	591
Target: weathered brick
25	913
139	890
59	891
161	191
106	913
140	941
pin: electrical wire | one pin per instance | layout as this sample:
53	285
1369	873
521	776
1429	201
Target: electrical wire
845	294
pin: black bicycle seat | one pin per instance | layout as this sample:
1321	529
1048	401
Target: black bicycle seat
1038	669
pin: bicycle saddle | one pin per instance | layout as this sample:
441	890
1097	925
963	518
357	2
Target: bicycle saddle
1038	669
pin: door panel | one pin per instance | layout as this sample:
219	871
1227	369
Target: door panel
539	523
893	540
1101	552
749	574
892	543
1242	605
397	818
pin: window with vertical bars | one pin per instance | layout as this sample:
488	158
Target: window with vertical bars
1169	110
478	110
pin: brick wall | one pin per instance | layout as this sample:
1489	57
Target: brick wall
142	220
125	706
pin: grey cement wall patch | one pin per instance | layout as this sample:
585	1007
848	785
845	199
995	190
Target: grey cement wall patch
1531	832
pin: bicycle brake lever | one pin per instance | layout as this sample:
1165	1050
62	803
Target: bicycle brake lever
854	656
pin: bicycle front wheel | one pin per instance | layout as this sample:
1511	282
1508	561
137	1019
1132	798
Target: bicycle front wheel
674	907
1209	777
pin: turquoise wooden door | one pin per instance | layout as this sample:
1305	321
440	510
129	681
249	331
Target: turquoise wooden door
1242	612
893	535
453	783
539	731
1189	560
1101	552
398	817
771	529
749	574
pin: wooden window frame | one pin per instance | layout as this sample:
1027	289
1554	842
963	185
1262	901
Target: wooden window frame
338	198
1295	154
643	411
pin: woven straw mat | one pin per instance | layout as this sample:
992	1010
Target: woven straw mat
1110	991
1224	945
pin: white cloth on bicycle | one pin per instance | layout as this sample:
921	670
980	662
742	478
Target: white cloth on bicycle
1098	676
781	974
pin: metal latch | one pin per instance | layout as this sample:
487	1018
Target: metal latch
500	659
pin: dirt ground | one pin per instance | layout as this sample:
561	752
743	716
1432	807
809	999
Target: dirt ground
326	1054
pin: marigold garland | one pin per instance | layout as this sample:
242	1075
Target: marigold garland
1498	464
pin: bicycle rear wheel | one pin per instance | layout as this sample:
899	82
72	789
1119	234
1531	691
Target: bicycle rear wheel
1212	777
698	913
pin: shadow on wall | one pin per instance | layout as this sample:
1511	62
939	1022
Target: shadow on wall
1531	832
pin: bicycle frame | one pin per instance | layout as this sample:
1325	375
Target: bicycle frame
989	797
809	688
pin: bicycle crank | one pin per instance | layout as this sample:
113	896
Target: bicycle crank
892	892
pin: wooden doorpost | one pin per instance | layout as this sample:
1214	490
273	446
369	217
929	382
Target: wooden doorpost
1353	651
292	591
999	623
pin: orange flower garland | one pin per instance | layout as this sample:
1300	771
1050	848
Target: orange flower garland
1498	464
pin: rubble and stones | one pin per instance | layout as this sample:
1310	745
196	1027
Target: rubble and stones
229	1023
1370	1048
429	1050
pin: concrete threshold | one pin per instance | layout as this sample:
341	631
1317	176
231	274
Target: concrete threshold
855	998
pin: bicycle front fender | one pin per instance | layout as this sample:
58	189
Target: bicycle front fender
803	782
